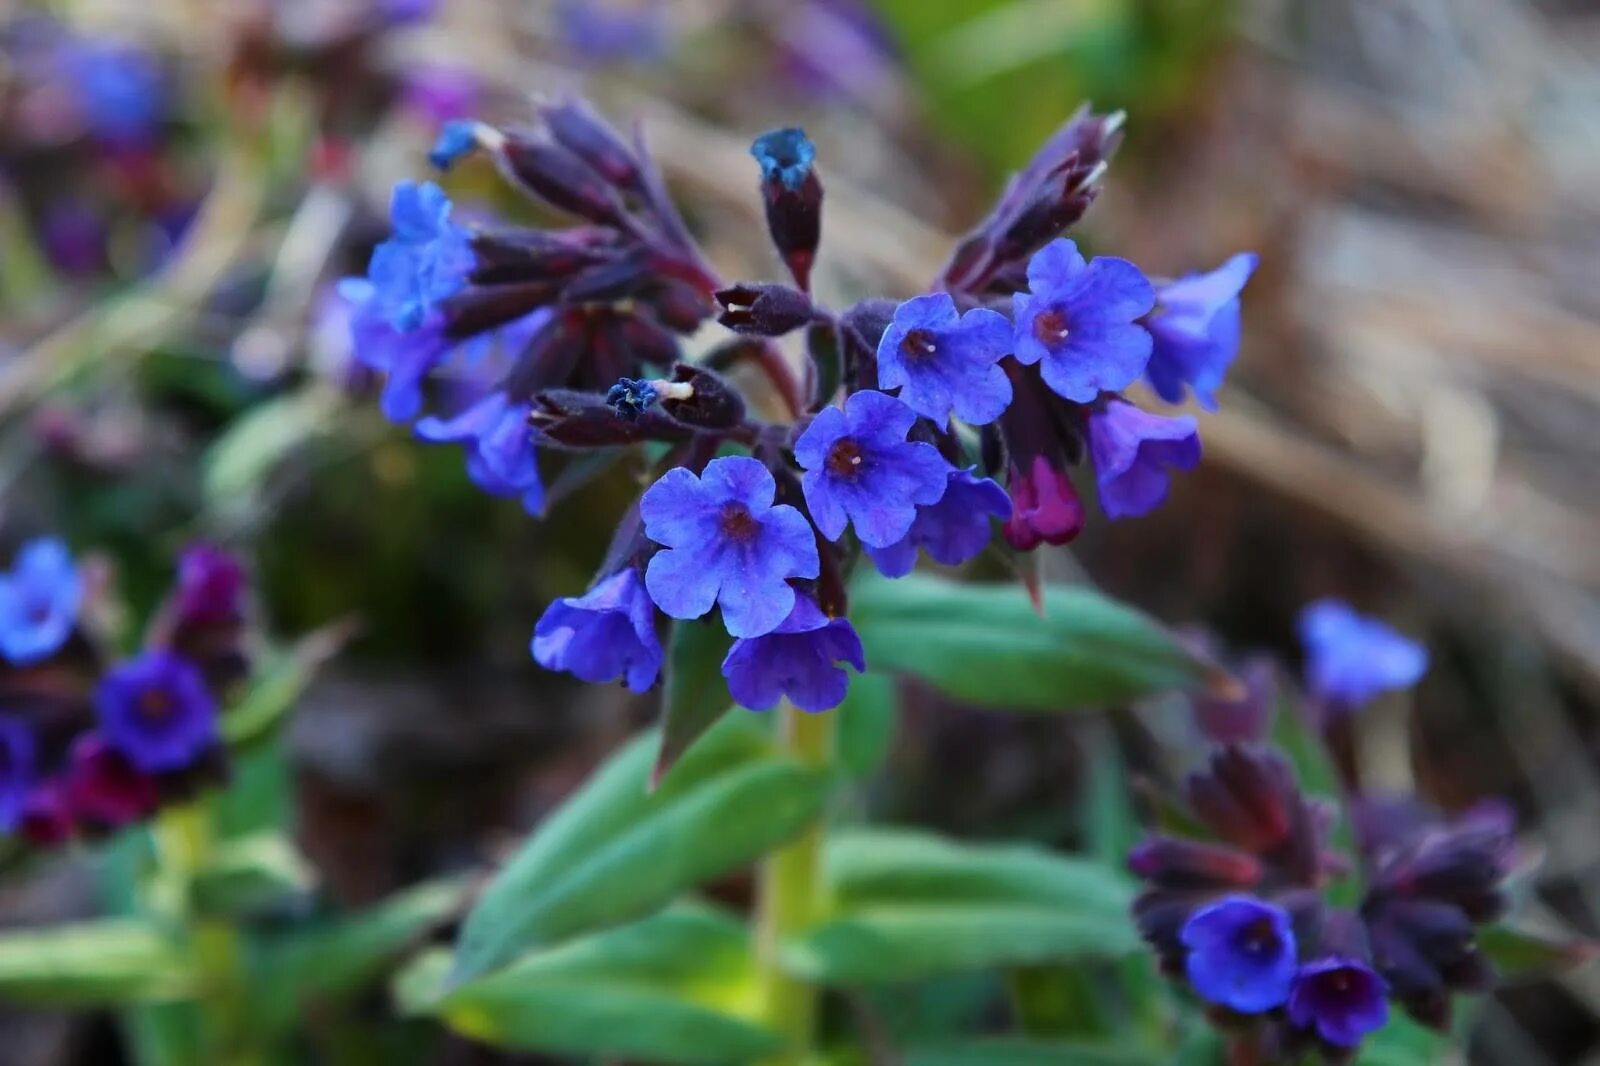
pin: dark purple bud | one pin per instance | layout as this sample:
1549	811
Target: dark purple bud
792	194
763	310
549	357
678	306
578	420
1160	915
1173	863
1045	508
700	398
642	340
1245	719
46	820
530	255
1246	795
562	179
861	328
213	587
585	134
103	790
624	276
479	308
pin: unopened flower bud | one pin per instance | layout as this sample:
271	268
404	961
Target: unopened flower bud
792	194
763	310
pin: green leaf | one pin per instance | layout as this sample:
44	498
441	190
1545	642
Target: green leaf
985	644
695	694
92	963
238	464
1019	1052
910	905
276	687
614	852
345	956
1111	825
677	987
249	873
867	720
1521	955
1403	1042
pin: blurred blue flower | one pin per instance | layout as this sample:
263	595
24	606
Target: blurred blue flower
404	357
1196	329
799	660
1241	954
502	459
157	711
457	138
1132	451
610	31
17	755
951	531
39	601
785	156
1350	659
860	469
425	260
1081	321
726	544
942	360
1340	999
605	634
118	86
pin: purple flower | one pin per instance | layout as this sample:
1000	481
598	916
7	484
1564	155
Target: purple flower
157	711
401	12
501	457
1196	330
425	260
118	87
605	634
1045	508
438	93
1350	659
1241	954
860	469
1132	451
799	660
1340	998
405	357
212	586
1082	321
104	789
605	31
941	360
726	544
951	531
17	755
46	819
39	601
785	156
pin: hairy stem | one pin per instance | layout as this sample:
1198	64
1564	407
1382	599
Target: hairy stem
791	895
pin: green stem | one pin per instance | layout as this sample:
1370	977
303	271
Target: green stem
791	895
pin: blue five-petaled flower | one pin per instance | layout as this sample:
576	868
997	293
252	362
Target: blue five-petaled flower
1351	659
157	711
1195	326
425	260
607	633
1081	321
1241	954
1132	451
944	361
800	661
502	458
726	544
1340	999
951	531
861	470
39	601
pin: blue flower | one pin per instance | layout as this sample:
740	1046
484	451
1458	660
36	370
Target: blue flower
402	12
119	88
951	531
785	156
426	259
157	711
1132	450
501	457
726	544
605	634
1081	320
457	138
17	763
405	357
860	469
39	601
610	30
799	660
1340	998
941	359
1241	954
1350	659
1196	330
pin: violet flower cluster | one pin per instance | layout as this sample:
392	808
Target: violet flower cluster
85	749
1237	906
516	343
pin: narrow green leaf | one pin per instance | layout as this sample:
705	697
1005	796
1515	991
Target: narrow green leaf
1111	825
985	644
867	720
237	465
116	961
677	987
1019	1052
275	689
1521	955
1403	1043
249	873
695	695
615	852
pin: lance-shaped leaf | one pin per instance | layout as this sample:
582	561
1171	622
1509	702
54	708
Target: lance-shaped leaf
617	851
986	644
1523	955
694	694
677	987
1020	1052
92	964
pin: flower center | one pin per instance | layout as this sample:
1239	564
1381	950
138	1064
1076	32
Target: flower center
155	705
919	344
1259	938
738	523
844	459
1051	327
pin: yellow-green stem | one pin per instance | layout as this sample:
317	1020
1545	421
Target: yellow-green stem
791	895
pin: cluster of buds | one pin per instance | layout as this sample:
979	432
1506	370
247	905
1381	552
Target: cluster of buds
85	749
1237	905
566	340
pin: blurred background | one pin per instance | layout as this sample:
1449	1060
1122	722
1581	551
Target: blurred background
1413	423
